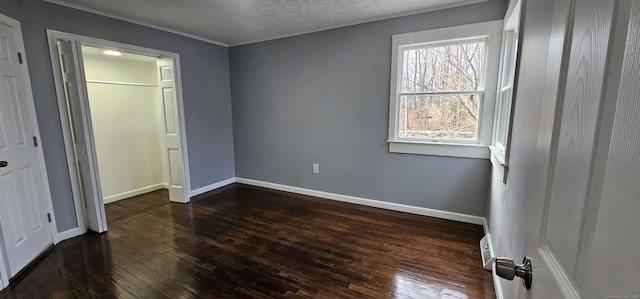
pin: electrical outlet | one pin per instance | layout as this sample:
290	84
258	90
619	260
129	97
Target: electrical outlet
316	168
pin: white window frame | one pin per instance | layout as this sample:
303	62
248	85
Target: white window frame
491	32
507	79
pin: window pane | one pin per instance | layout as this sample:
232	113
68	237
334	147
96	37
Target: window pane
457	67
508	57
504	110
449	116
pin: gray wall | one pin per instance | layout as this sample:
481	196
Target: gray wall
10	8
206	89
508	204
324	98
316	98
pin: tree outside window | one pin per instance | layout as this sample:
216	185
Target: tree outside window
441	90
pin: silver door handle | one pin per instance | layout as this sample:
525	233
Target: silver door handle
508	269
4	163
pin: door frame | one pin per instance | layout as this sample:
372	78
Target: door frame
17	29
52	37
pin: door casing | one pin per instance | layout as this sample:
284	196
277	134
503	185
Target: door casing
53	36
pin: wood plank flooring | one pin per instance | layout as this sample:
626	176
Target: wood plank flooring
248	242
123	209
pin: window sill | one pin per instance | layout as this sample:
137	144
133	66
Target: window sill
474	151
499	156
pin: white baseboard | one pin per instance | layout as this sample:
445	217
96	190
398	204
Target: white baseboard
133	193
497	285
211	187
368	202
485	226
68	234
497	281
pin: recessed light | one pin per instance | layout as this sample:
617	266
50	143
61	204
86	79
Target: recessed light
112	52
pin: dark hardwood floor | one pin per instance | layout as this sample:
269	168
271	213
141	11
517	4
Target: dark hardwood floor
123	209
249	242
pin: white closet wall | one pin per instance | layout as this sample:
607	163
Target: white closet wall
126	124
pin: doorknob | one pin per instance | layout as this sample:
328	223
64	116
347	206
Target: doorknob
4	163
508	269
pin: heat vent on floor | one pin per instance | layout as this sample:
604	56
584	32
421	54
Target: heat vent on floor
486	251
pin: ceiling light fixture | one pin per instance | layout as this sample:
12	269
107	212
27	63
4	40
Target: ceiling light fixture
112	52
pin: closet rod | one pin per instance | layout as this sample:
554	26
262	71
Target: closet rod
122	83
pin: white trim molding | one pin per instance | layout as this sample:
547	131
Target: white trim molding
559	275
211	187
485	226
497	284
474	151
368	202
497	281
132	193
71	233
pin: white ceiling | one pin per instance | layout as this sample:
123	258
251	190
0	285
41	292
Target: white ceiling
89	50
235	22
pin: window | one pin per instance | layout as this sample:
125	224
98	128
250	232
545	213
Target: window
504	96
442	90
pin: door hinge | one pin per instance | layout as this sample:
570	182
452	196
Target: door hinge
35	141
49	217
20	57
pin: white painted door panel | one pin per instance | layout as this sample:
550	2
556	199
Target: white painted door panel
171	129
23	212
583	219
81	131
577	134
612	267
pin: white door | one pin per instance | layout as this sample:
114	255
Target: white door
173	153
86	170
23	209
584	233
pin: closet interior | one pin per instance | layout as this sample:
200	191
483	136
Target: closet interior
126	109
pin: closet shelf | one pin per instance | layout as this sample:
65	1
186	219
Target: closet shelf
122	83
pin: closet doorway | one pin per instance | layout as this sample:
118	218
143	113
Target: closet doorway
122	117
127	117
